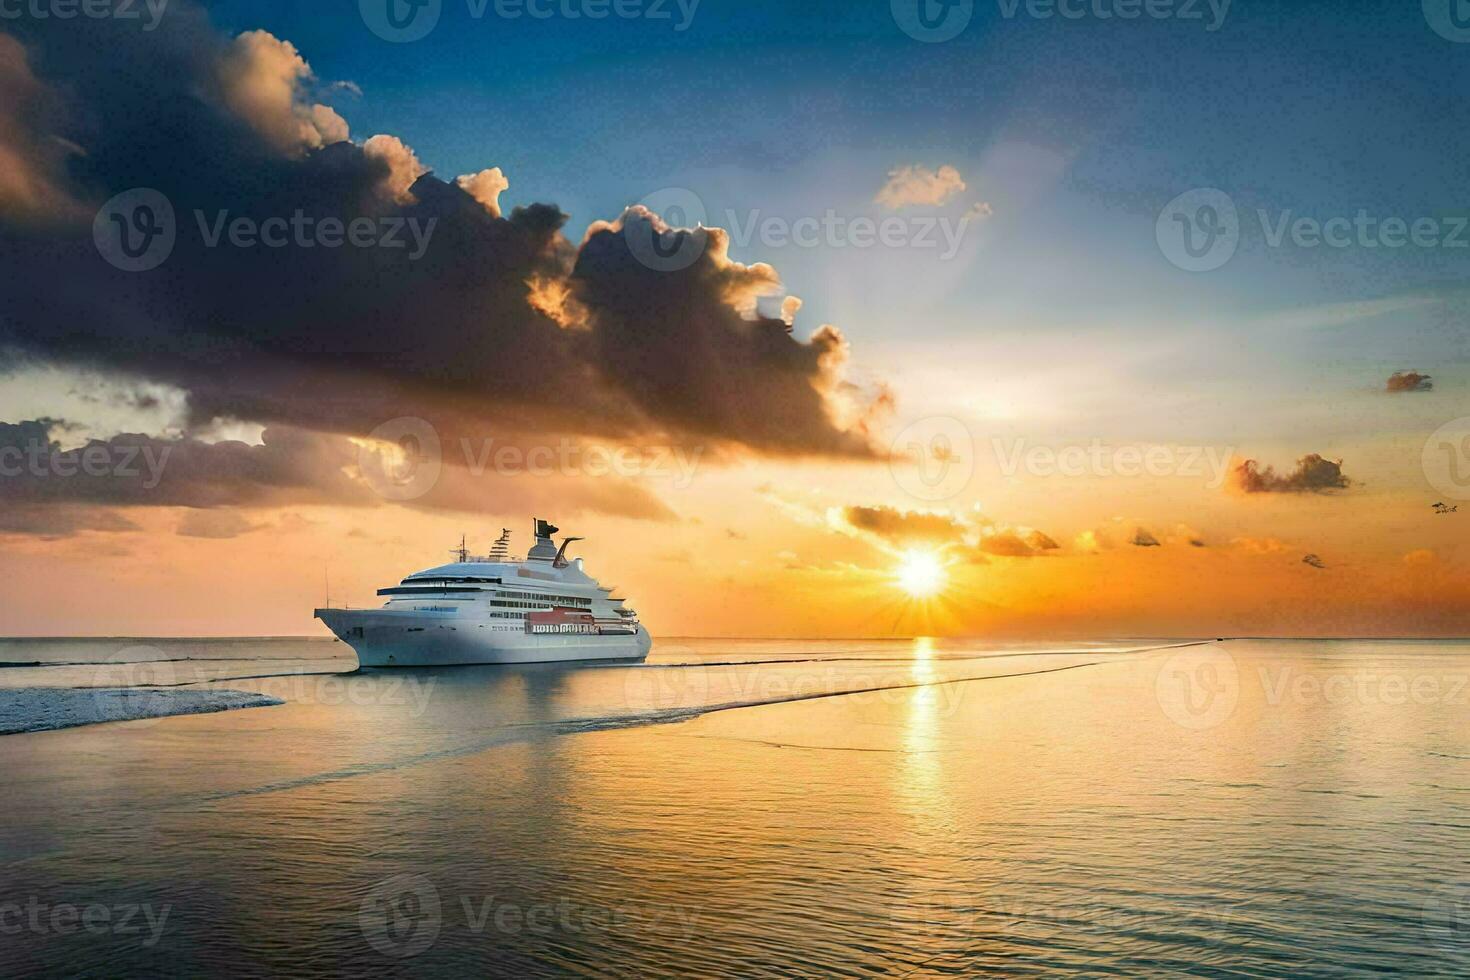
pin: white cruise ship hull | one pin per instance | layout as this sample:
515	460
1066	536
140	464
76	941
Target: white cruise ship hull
394	638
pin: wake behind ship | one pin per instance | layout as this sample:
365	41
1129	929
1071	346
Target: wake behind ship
495	610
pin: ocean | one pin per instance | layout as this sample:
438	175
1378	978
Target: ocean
1253	808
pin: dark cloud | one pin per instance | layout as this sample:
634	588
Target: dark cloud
501	323
1401	381
896	525
22	437
1143	538
290	467
30	162
214	524
61	521
1015	542
1315	561
1313	474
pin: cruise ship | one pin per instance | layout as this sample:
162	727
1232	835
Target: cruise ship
495	610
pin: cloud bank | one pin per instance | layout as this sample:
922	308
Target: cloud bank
501	327
1402	381
1312	474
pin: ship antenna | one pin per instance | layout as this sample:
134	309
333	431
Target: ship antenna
462	551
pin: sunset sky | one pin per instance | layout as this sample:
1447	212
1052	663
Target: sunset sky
586	241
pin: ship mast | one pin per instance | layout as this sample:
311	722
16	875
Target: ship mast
463	551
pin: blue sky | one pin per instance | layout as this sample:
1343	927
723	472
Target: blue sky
1318	108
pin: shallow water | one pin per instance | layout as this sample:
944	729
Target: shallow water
1256	808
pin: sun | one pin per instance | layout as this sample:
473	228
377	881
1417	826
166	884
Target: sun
920	574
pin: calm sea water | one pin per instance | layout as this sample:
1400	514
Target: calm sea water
1248	809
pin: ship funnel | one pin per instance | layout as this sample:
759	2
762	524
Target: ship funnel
544	549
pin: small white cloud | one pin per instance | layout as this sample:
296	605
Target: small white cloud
790	306
263	81
485	187
403	165
915	185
